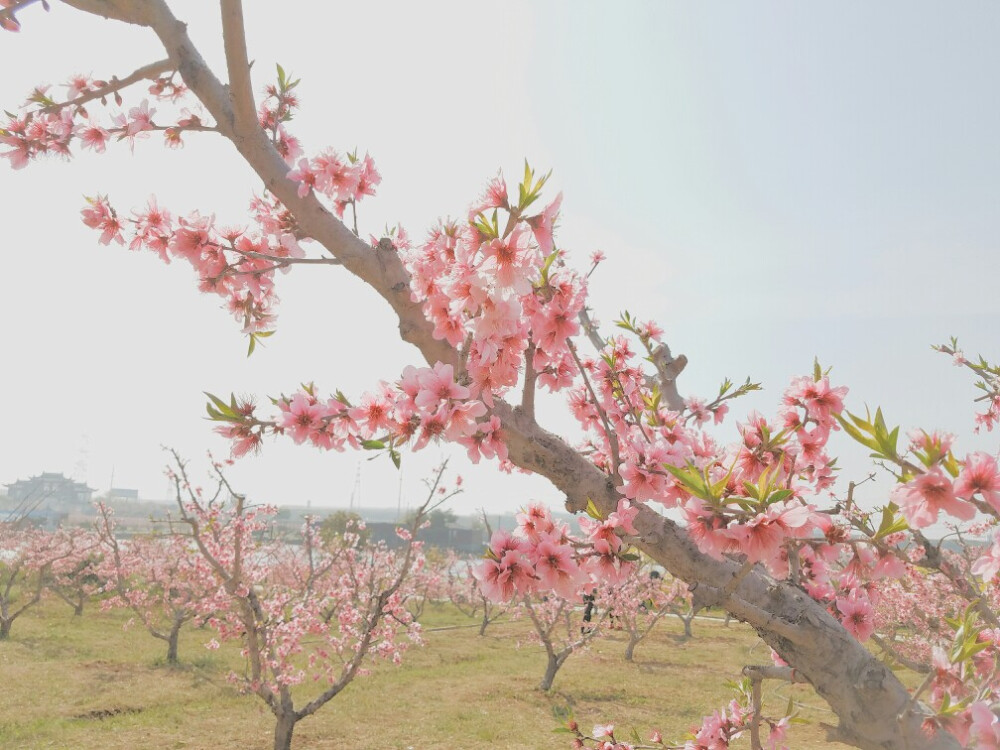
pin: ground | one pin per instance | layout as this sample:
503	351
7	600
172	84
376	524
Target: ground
85	682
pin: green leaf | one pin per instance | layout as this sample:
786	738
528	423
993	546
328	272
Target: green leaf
372	445
891	523
854	432
779	495
593	511
394	455
281	78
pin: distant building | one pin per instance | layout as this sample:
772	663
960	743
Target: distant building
445	537
52	488
120	493
47	499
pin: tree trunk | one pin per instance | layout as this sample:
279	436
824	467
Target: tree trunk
484	623
172	639
550	673
686	619
78	608
5	628
283	732
630	648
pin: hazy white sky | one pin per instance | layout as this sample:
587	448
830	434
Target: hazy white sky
770	181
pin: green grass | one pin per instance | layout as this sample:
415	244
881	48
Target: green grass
84	682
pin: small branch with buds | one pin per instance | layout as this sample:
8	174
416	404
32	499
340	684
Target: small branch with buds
147	72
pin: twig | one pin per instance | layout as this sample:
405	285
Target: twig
147	72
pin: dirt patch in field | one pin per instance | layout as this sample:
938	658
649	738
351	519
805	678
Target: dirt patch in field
100	714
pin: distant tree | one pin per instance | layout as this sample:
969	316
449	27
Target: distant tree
26	553
437	519
74	576
640	601
464	592
157	577
303	614
340	522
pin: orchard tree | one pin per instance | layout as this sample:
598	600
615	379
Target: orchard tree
312	613
465	594
546	572
641	600
156	576
27	554
498	313
74	576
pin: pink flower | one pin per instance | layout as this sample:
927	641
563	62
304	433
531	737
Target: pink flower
544	224
980	475
858	614
302	418
437	385
603	730
988	564
100	215
623	516
985	730
93	136
495	196
140	119
556	568
304	175
922	498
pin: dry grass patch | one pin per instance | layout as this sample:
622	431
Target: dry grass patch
87	683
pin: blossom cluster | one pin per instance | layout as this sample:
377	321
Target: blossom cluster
542	555
46	126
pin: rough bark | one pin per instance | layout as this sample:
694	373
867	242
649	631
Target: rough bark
686	619
172	639
283	729
630	648
555	661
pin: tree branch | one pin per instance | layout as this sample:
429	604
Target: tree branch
128	11
147	72
235	40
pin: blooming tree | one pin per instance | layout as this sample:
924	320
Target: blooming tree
74	575
310	612
463	591
547	571
641	600
26	555
498	313
156	576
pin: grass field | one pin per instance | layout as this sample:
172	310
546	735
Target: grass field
86	683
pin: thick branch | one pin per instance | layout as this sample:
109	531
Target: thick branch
668	368
235	39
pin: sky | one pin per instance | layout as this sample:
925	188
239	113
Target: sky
770	182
